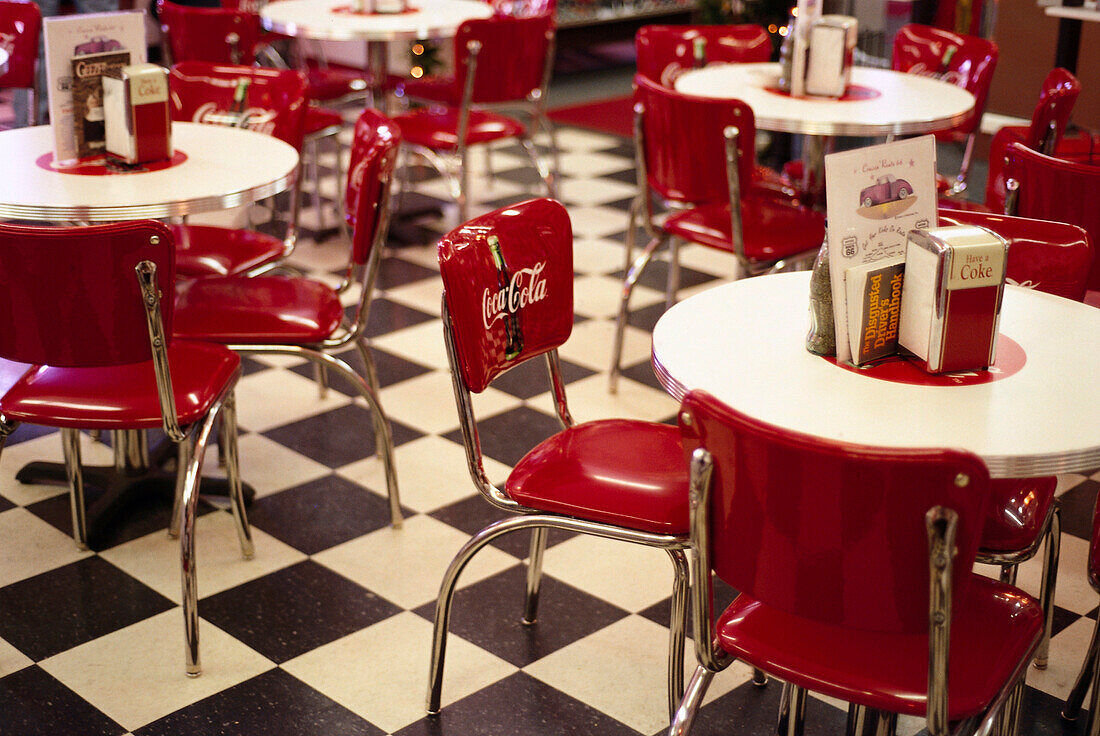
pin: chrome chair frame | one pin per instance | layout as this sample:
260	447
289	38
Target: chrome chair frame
192	443
632	270
541	523
454	167
1089	674
941	525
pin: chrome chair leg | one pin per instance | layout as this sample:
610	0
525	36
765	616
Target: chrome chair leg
320	375
534	575
544	173
1084	678
672	285
370	372
631	232
629	280
689	705
864	721
792	711
1049	583
183	459
233	472
759	677
1092	726
70	443
315	174
341	205
188	578
463	180
677	630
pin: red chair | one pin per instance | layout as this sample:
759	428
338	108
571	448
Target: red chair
298	316
1044	188
113	364
1088	668
664	52
20	24
498	60
1055	258
854	570
586	478
1048	124
966	61
275	104
696	153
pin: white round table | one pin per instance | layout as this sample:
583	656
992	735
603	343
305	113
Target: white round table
329	20
744	343
903	104
224	167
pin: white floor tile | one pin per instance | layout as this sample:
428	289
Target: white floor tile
270	467
11	659
30	546
631	576
270	399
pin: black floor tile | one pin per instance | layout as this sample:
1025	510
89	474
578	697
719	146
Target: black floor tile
250	366
532	378
1061	620
626	176
27	432
507	437
659	612
338	437
32	703
488	614
63	608
320	514
751	711
646	317
1077	505
389	316
391	370
1042	716
643	373
5	504
655	275
294	610
398	272
519	704
272	704
473	514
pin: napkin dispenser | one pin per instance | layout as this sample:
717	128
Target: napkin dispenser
832	41
135	107
951	301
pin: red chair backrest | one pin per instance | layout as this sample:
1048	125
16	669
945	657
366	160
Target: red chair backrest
374	149
1056	99
20	24
1053	189
685	147
1053	257
275	102
664	51
830	531
201	34
921	50
530	298
512	61
72	294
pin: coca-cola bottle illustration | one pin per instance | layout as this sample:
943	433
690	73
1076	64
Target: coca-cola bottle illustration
240	94
512	327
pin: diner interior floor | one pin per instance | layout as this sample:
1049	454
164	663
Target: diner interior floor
327	630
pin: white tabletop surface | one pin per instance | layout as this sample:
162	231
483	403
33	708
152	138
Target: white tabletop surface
1073	13
744	343
225	167
318	19
907	103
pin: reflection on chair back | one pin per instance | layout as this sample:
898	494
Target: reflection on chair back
1045	188
275	102
663	52
511	60
218	35
1051	115
20	24
828	531
512	304
1053	257
928	51
374	149
682	145
73	297
524	8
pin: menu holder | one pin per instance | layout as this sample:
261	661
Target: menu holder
951	304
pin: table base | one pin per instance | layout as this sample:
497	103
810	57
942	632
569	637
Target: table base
110	490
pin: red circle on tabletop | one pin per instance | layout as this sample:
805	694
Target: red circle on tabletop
101	166
349	10
1010	359
853	93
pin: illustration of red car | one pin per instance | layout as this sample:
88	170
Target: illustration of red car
885	189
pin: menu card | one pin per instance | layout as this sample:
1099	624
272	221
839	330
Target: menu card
876	196
79	50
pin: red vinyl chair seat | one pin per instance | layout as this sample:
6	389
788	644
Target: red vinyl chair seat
222	251
333	81
437	129
320	118
592	471
260	310
438	88
122	396
889	671
773	228
1017	513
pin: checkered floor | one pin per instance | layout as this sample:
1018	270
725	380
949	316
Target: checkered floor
327	630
